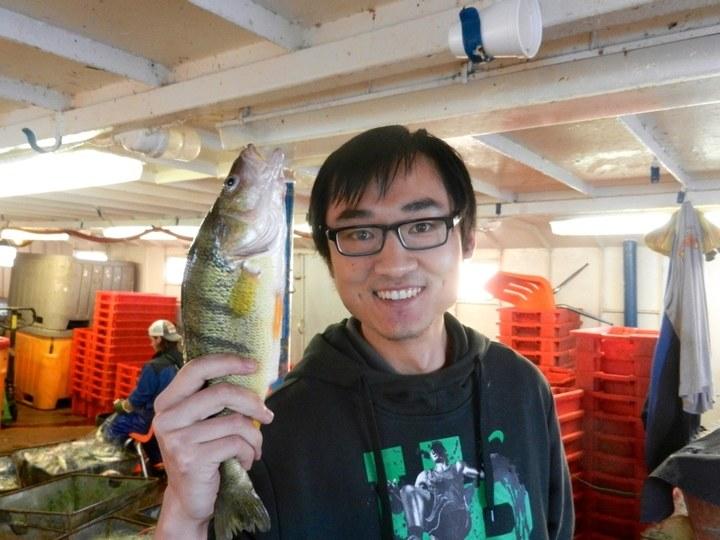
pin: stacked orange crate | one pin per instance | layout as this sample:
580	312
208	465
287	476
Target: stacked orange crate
613	366
126	377
119	334
543	337
568	406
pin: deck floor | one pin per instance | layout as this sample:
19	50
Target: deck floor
35	428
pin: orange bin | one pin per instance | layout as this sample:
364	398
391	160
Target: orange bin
42	367
4	346
522	290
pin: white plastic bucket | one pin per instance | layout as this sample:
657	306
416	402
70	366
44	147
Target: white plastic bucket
509	28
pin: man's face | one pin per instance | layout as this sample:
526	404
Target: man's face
398	294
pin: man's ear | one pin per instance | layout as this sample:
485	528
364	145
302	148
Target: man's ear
469	245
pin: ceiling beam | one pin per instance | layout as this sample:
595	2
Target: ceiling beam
573	88
60	42
491	190
39	96
614	201
515	151
511	98
256	19
645	130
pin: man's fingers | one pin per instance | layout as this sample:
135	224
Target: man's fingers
193	376
209	402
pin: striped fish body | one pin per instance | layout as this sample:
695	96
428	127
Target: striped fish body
232	298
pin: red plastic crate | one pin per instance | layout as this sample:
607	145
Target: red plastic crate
539	345
614	505
622	385
612	424
126	378
624	406
615	465
604	527
559	378
615	342
109	361
571	422
615	445
550	359
573	442
538	330
622	485
90	407
575	462
528	316
568	401
130	297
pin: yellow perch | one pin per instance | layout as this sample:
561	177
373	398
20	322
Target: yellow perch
232	298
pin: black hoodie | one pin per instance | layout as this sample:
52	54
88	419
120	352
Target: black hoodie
343	407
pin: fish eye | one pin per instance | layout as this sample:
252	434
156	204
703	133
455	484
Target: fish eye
231	182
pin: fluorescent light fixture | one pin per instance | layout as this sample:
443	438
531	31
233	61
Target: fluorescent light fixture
174	270
97	256
473	277
626	224
7	256
17	235
134	230
61	171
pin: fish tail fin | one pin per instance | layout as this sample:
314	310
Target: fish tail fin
238	508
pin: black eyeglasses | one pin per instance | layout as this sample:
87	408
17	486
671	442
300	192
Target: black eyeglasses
416	234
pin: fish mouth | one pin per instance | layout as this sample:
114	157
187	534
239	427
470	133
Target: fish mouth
406	293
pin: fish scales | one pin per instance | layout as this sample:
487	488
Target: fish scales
232	298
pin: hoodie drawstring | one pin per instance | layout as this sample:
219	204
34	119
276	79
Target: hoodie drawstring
381	487
482	448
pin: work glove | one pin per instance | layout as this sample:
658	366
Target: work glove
119	406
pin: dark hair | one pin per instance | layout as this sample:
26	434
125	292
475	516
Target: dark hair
378	155
167	345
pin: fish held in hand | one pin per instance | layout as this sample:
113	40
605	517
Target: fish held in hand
232	301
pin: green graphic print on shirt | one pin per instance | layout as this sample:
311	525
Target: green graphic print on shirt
445	500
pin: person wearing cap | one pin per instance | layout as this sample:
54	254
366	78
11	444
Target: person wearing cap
135	413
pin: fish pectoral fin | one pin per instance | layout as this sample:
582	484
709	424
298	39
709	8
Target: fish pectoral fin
244	292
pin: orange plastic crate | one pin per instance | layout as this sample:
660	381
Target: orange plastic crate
616	445
612	424
538	330
623	484
573	442
126	377
559	378
623	385
130	297
571	422
550	359
529	316
569	401
616	465
624	406
539	345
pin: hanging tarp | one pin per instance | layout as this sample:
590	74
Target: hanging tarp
681	379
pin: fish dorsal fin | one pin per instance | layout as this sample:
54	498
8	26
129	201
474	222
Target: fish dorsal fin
244	292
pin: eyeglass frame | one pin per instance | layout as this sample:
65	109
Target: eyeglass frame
450	221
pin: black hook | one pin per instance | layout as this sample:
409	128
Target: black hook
32	141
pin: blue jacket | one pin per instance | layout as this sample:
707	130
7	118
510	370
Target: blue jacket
155	376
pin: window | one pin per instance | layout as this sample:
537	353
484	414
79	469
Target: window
174	270
473	277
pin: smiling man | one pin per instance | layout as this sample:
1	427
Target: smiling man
376	396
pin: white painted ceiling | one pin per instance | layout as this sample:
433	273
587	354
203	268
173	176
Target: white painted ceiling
574	130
